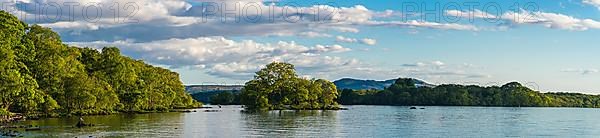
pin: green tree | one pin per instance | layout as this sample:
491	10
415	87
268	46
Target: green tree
39	75
17	87
278	87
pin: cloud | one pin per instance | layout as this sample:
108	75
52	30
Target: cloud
344	29
311	34
184	34
595	3
345	39
228	58
422	64
387	13
446	73
580	71
471	14
418	64
438	63
424	24
368	41
238	60
161	20
439	69
329	49
550	20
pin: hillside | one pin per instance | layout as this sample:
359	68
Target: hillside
212	88
203	93
357	84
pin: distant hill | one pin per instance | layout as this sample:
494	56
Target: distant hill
203	93
356	84
211	88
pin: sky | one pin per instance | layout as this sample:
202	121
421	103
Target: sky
546	45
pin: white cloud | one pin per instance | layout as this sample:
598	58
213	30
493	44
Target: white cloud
162	20
425	24
345	39
471	14
386	13
238	60
228	58
329	49
418	64
368	41
580	71
595	3
438	63
422	64
344	29
438	70
550	20
311	34
173	33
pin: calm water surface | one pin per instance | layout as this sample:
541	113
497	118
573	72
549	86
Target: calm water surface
358	121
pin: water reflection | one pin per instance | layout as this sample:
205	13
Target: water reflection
122	125
358	121
290	123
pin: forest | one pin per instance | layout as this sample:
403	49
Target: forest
41	76
225	98
405	93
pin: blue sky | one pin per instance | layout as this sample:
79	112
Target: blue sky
551	46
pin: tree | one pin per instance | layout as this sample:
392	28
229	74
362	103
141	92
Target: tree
511	94
329	92
278	87
225	98
39	75
16	84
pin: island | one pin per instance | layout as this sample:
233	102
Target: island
277	87
42	77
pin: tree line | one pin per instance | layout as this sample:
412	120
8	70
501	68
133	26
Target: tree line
404	93
225	98
41	76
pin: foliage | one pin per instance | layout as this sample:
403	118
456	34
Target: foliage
278	87
404	92
39	75
225	98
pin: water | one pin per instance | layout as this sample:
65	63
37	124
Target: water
358	121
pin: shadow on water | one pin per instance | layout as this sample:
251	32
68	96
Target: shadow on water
119	125
290	123
231	121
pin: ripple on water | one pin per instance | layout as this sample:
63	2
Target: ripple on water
358	121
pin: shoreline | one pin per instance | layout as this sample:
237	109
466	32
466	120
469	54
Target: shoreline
16	117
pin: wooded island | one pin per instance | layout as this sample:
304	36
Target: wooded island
40	76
